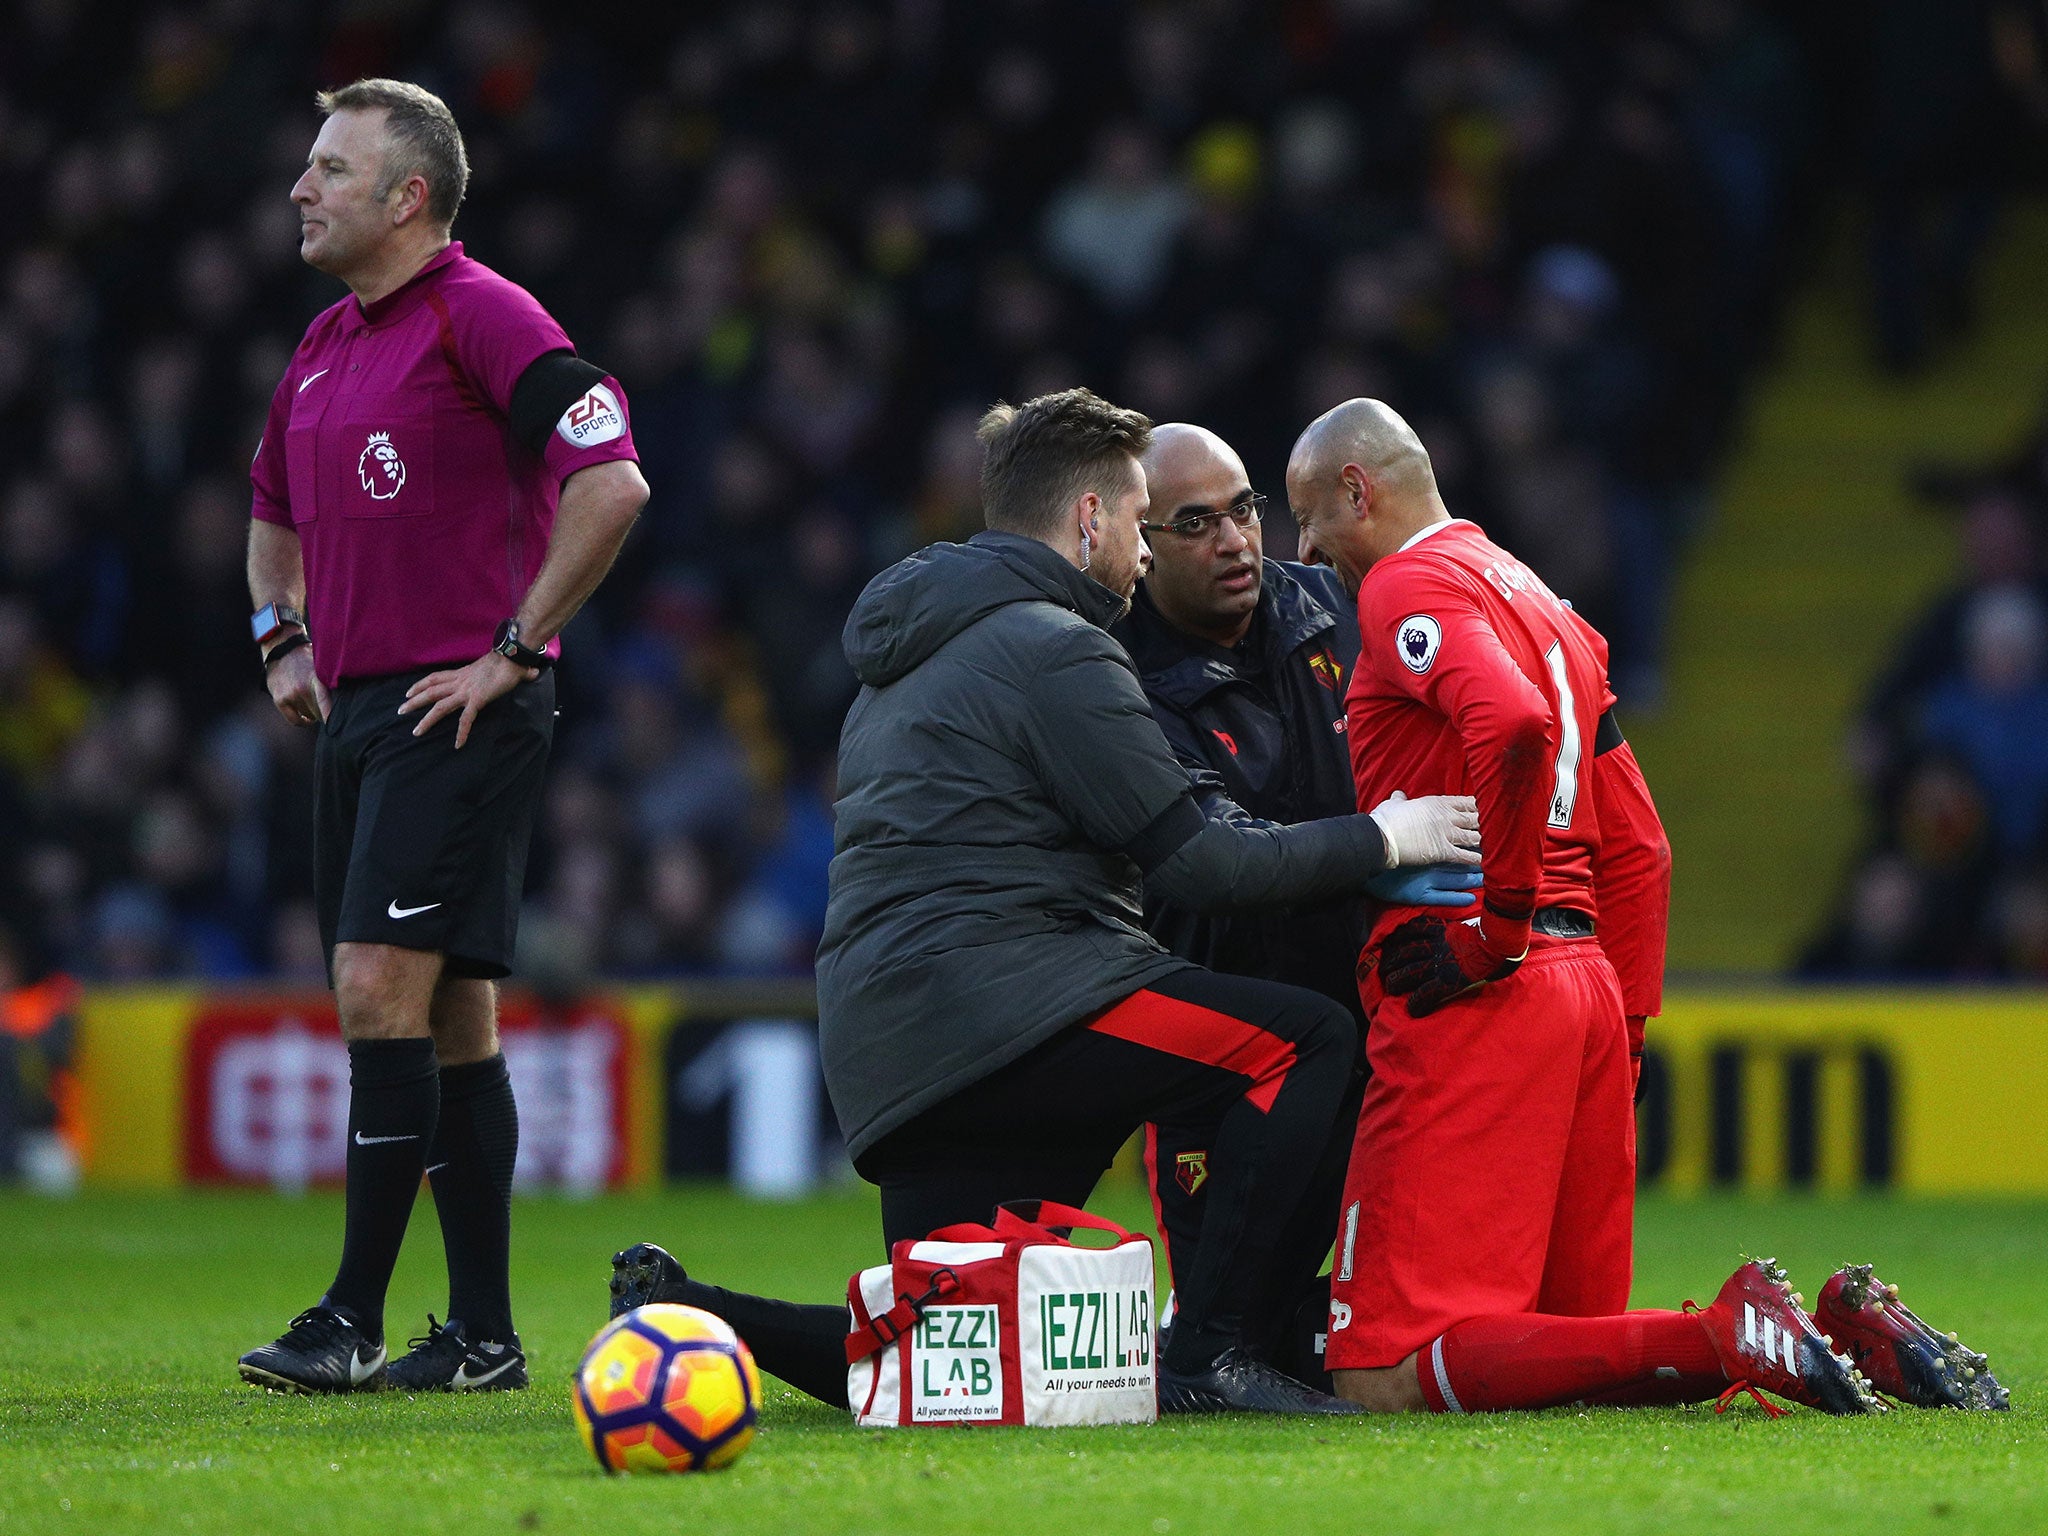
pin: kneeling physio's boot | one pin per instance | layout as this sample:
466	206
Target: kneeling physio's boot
644	1273
1237	1381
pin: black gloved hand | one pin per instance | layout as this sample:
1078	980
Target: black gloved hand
1429	962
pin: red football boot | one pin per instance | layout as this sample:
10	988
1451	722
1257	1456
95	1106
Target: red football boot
1764	1338
1902	1356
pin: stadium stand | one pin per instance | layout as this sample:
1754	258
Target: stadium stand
814	242
1952	746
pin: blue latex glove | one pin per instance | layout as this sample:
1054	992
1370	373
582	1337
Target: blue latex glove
1426	885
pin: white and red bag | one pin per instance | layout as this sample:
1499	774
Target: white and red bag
1006	1324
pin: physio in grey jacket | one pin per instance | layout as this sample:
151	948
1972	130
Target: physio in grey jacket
1003	787
994	1021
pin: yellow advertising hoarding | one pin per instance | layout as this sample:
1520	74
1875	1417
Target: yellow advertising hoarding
1939	1091
131	1073
1934	1092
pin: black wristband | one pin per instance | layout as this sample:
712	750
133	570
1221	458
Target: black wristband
288	643
507	644
1159	840
1383	860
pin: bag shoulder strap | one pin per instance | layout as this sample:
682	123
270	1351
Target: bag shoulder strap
965	1232
879	1332
1036	1220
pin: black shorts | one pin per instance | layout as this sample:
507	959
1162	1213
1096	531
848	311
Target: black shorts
419	845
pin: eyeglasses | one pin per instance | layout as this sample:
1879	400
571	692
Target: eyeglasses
1248	511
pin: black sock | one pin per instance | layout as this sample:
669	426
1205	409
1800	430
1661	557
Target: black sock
471	1171
804	1345
394	1100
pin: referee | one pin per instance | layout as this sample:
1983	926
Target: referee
993	1020
441	484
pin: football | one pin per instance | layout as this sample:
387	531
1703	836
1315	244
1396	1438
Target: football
666	1389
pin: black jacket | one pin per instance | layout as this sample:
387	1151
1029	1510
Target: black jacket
1002	788
1260	727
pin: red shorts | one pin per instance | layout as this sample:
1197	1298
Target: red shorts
1494	1167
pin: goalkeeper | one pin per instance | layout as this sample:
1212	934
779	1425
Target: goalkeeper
1244	661
995	1023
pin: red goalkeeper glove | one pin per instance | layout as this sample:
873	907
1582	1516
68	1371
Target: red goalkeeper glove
1429	962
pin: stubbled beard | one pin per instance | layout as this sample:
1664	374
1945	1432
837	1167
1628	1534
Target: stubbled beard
1123	598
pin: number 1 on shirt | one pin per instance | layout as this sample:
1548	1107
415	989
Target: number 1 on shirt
1566	795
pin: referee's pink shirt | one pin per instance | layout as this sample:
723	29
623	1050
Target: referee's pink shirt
422	521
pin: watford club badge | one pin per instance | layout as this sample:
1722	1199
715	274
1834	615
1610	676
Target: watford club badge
1191	1171
1327	671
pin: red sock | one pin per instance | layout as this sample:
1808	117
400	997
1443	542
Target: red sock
1534	1360
1662	1392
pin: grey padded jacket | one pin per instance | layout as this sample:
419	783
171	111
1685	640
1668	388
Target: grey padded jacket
1003	789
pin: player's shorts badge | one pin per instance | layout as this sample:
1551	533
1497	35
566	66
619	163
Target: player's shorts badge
1191	1171
380	469
1418	639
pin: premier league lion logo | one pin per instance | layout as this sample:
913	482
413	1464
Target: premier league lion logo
380	468
1418	639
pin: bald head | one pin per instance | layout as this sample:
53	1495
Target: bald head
1206	582
1183	452
1360	483
1370	434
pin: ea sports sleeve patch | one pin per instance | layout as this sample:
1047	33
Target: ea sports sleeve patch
559	392
593	418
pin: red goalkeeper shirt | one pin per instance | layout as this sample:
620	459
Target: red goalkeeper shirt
1475	678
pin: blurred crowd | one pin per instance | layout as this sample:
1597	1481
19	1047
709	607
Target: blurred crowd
1953	748
815	241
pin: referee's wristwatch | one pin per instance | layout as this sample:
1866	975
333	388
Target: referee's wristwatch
506	644
272	620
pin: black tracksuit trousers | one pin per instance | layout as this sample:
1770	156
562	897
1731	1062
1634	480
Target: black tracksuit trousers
1259	1069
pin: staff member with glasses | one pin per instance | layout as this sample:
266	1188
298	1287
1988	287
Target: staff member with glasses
1244	661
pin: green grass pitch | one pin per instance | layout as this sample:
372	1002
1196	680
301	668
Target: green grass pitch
120	1318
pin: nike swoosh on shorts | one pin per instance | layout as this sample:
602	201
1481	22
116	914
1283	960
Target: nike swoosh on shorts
371	1141
395	910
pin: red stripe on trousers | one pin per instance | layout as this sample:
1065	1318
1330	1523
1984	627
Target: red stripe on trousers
1195	1033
